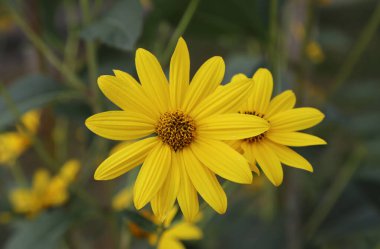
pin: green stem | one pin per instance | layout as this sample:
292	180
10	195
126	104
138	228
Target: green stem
178	32
91	58
273	31
71	77
353	57
18	174
72	42
334	191
36	142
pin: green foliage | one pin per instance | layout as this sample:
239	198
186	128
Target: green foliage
30	92
44	232
119	27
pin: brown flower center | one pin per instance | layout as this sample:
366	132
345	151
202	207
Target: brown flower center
258	137
176	129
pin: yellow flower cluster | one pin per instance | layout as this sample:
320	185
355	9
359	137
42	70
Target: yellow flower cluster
186	131
46	191
14	143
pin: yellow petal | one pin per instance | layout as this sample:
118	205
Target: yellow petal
281	102
187	195
205	182
184	231
228	98
152	175
296	119
290	157
122	199
179	73
41	180
248	153
124	91
12	145
167	242
204	82
268	161
121	125
152	78
125	159
231	126
31	120
235	144
69	170
222	159
238	77
171	215
294	138
261	93
163	202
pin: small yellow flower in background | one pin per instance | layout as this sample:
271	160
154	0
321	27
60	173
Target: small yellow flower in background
173	234
182	127
314	52
269	149
13	144
46	191
122	199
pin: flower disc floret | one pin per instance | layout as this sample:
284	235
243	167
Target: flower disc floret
176	129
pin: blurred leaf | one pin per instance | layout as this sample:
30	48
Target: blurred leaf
356	221
29	93
140	220
364	124
44	232
120	27
359	95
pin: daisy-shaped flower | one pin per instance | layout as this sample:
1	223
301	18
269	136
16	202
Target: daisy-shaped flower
270	148
181	126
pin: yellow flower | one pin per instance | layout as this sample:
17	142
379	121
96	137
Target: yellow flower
173	234
270	149
181	127
13	144
315	52
123	199
46	191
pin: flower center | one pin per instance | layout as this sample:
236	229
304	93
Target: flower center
176	129
258	137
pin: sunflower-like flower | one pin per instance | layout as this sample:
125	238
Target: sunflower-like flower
181	126
270	148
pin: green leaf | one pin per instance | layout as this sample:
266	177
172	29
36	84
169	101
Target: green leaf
44	232
29	93
120	27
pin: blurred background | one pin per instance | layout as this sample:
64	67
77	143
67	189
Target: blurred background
51	53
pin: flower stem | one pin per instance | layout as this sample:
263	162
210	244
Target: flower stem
72	79
353	57
18	174
334	191
91	58
178	32
273	38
